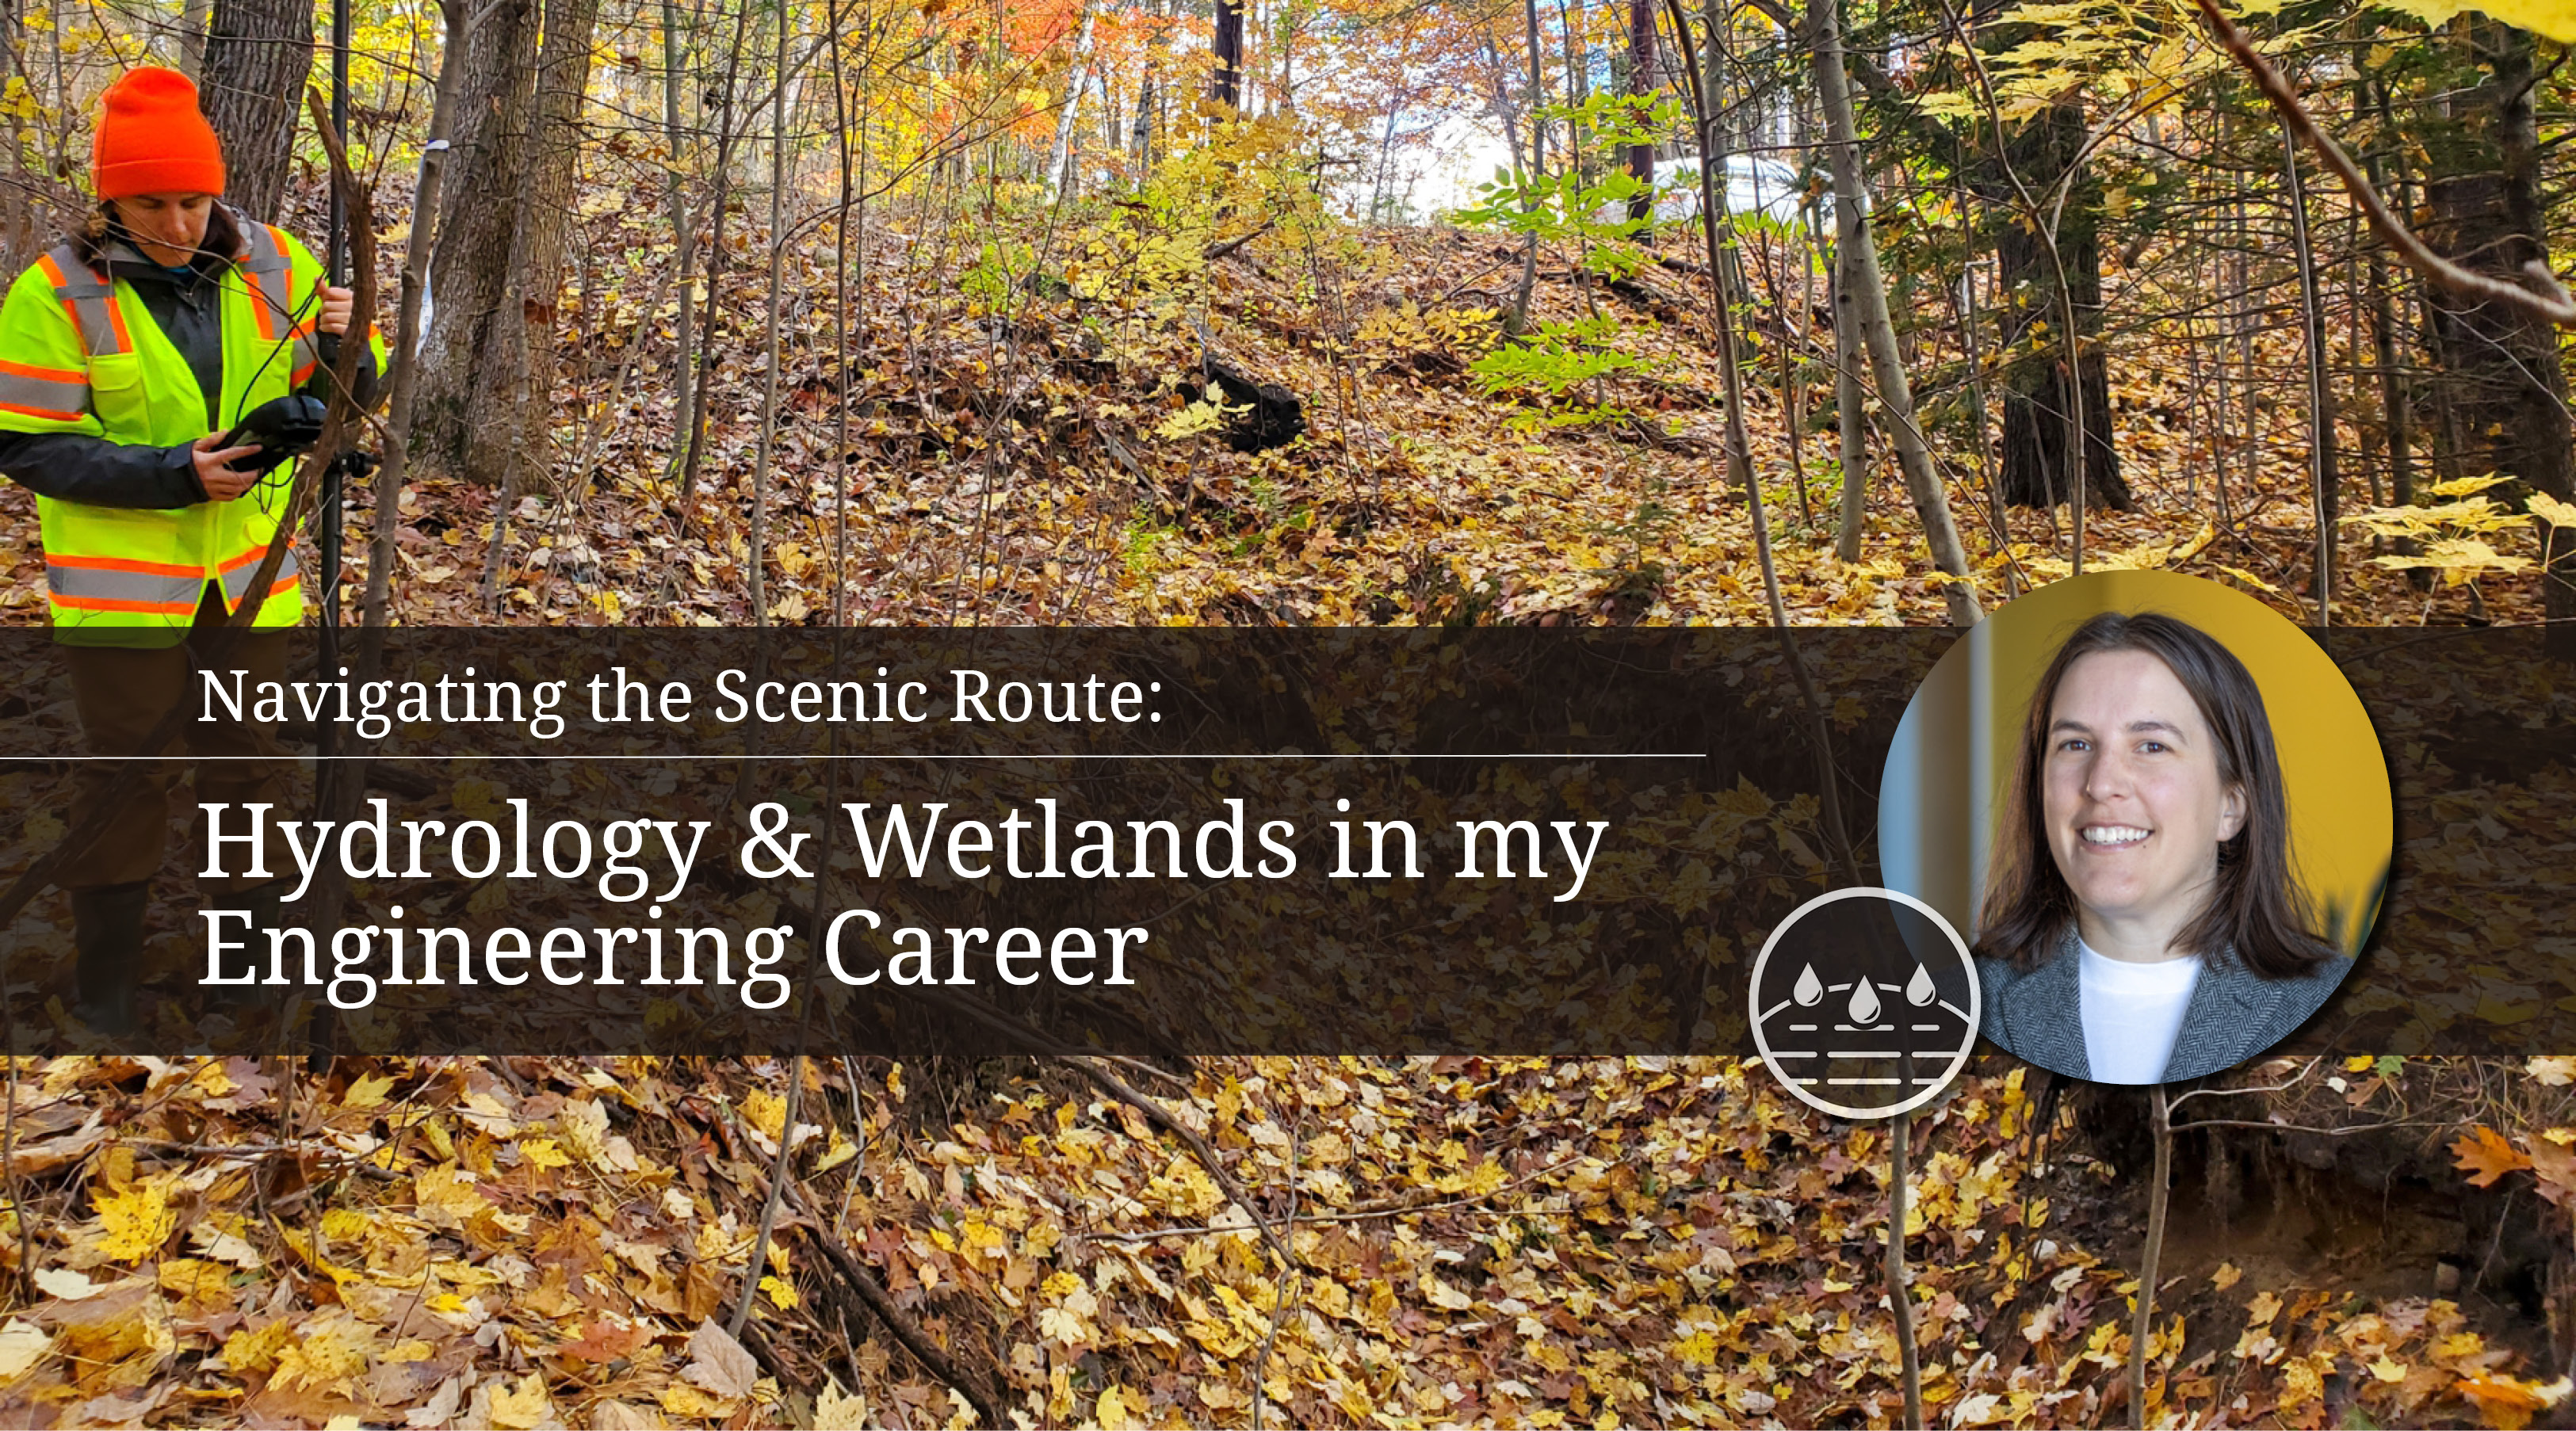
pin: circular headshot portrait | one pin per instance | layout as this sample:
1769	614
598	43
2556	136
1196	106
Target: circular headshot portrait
2159	813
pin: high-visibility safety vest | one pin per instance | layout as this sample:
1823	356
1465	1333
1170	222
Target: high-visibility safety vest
79	353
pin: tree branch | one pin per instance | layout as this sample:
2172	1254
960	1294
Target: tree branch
2550	304
907	1331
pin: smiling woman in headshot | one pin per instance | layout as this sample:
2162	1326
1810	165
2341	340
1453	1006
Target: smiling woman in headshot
2142	924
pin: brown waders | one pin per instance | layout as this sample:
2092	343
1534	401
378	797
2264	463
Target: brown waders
122	694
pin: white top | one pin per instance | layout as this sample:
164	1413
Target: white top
2132	1014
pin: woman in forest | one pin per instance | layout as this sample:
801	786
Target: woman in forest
125	352
2142	924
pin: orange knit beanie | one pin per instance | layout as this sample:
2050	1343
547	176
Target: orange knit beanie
152	139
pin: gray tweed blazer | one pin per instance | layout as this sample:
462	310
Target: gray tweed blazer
2233	1015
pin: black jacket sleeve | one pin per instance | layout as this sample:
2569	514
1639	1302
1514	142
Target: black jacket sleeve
74	467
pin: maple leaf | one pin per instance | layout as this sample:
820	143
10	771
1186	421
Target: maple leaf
327	1355
368	1092
837	1410
521	1407
545	1153
134	1223
248	1352
2486	1156
606	1341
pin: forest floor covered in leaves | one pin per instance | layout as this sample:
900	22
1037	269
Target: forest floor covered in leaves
531	1242
523	1243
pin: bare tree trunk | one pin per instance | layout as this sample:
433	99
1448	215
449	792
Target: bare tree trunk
17	195
1900	1299
258	54
402	405
2051	411
193	20
2142	1325
1578	86
1793	396
1863	302
1060	159
694	454
1979	411
2247	319
1290	27
1641	86
2322	477
683	230
1851	425
1716	230
1517	319
470	270
2396	404
2231	296
2396	419
2506	381
1148	96
1385	156
849	233
759	542
508	423
1227	86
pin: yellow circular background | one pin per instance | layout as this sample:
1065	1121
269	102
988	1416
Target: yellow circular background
1949	771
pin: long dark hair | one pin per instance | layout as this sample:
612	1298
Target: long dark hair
2257	915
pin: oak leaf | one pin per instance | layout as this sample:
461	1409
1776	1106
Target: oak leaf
2486	1156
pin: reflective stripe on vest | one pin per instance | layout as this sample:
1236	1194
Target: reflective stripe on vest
269	275
55	394
120	584
88	583
90	299
239	571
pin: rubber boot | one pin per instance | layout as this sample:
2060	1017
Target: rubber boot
107	930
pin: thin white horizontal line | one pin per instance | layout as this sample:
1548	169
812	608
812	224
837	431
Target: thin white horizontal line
1867	1082
1864	1053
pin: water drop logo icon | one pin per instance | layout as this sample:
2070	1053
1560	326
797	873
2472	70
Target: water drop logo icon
1864	1004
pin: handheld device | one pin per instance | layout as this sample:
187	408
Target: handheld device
281	428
